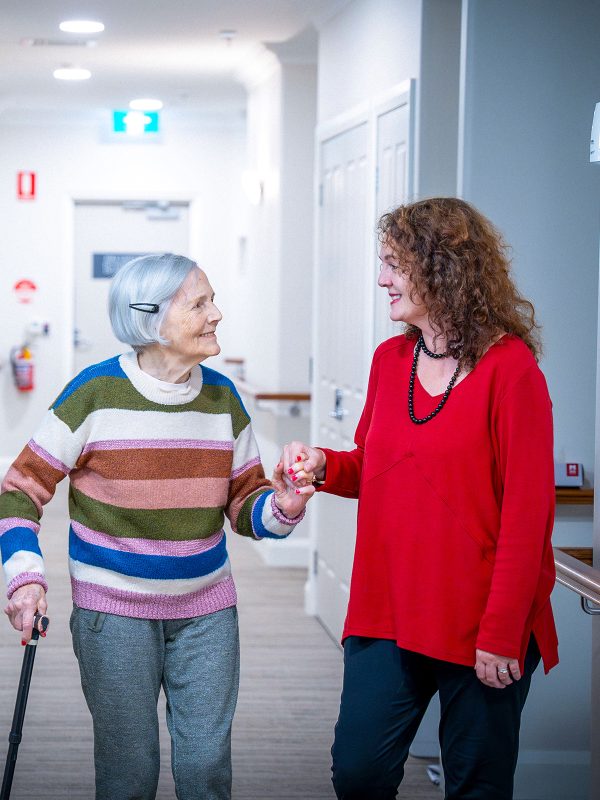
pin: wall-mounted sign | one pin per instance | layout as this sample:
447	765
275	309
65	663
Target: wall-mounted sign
26	185
24	290
105	265
135	123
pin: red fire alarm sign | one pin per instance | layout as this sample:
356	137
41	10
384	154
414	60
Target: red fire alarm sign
24	290
26	185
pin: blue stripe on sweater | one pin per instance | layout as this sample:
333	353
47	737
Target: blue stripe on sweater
147	566
257	523
17	539
110	368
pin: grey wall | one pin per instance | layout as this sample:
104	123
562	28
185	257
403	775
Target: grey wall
532	80
529	85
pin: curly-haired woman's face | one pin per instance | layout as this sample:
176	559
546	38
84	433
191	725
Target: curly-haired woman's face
405	304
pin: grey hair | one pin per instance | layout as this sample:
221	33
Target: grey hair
155	279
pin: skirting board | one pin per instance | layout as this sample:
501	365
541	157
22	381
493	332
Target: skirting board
288	553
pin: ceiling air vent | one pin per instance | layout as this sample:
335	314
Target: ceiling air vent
58	43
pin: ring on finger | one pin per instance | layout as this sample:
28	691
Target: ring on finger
503	671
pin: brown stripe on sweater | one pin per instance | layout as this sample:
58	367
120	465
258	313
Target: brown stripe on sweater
239	489
153	464
30	465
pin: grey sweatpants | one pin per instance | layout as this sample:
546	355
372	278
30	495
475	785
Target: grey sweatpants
123	663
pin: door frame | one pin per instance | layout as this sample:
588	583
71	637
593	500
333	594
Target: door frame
70	201
360	114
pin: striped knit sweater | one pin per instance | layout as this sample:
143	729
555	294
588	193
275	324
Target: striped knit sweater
153	469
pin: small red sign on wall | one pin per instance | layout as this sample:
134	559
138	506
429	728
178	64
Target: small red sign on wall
24	290
26	185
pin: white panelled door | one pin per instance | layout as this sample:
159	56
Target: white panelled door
341	359
105	228
392	189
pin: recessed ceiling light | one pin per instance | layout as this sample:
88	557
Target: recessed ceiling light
72	74
146	104
81	26
228	34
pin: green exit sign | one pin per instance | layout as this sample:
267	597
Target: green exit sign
135	123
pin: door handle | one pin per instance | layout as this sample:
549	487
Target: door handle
338	412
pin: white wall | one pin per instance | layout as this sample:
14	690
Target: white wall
274	292
203	162
368	47
258	295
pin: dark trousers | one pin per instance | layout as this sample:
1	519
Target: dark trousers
385	694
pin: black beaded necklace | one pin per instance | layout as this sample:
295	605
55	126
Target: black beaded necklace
411	384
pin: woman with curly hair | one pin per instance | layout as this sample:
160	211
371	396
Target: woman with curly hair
453	468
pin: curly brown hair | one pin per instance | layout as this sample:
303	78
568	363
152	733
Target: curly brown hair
458	264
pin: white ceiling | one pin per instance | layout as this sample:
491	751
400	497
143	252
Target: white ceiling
150	48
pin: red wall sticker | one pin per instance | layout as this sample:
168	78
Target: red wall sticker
24	290
26	185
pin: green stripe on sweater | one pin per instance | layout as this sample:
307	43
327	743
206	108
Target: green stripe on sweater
174	524
108	392
17	504
244	520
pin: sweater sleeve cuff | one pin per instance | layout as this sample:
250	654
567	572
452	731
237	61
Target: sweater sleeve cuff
281	517
23	579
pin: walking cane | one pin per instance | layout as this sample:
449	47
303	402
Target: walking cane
40	624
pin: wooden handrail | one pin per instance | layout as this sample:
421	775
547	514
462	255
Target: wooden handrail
584	554
575	497
261	394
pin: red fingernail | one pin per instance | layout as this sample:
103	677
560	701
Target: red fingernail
43	633
23	641
290	471
294	478
297	492
298	458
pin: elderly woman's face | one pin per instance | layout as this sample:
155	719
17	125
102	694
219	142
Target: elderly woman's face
405	304
192	319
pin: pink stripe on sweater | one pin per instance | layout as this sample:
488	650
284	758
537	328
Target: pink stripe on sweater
8	523
14	480
54	462
153	494
236	472
158	606
151	547
23	579
158	444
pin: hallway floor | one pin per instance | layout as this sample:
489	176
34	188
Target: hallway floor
289	693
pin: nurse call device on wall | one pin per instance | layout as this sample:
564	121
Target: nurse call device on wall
569	474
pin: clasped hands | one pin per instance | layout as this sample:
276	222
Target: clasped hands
293	477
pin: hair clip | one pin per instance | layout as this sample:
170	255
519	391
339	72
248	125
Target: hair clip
149	308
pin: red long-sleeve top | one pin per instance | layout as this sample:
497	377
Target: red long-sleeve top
455	516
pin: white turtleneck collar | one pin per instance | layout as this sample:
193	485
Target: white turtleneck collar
168	394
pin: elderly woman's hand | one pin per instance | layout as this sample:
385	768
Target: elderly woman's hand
23	605
290	498
496	671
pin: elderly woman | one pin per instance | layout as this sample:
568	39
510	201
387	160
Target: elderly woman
453	468
157	449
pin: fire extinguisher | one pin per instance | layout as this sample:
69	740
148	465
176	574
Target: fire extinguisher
23	365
